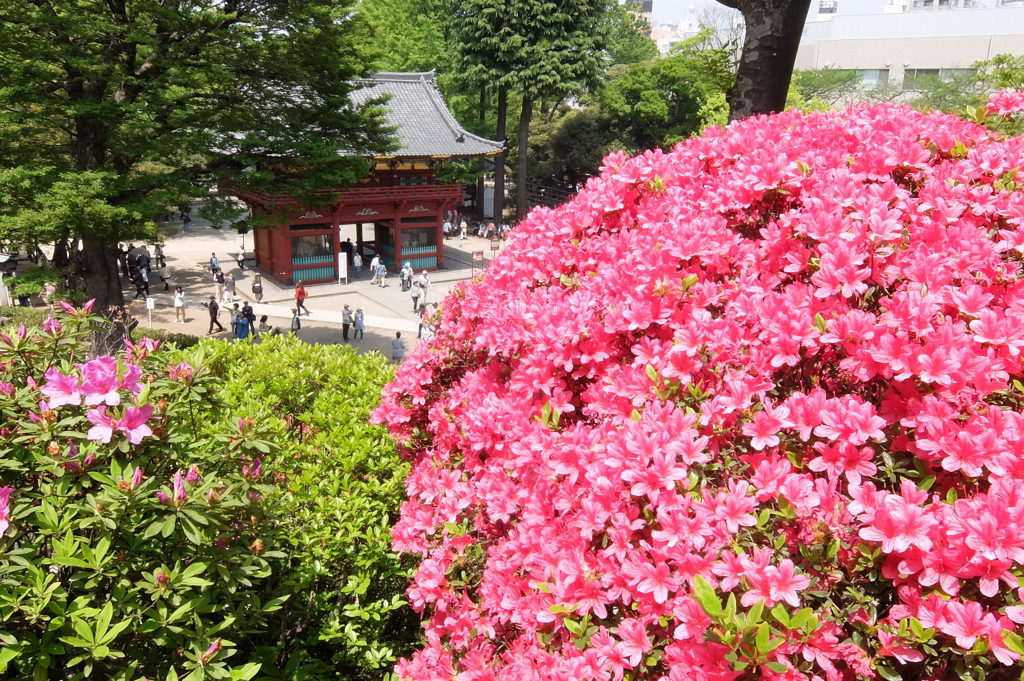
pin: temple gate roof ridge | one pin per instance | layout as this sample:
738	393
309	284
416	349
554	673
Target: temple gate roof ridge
423	124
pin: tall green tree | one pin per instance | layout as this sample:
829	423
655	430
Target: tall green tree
407	35
639	106
149	102
629	40
770	42
532	48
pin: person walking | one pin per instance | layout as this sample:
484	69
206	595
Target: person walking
242	328
257	287
463	228
296	322
214	262
415	293
424	283
346	321
236	314
141	281
359	324
214	311
165	276
300	298
158	253
219	280
240	257
249	314
382	274
406	276
229	286
122	258
186	222
397	348
373	268
357	262
179	305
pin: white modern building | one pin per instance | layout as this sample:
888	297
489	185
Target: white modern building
912	38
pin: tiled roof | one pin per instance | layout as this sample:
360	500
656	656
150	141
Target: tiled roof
425	126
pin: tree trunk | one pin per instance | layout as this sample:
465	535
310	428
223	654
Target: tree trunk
99	270
522	206
98	266
772	38
481	187
499	160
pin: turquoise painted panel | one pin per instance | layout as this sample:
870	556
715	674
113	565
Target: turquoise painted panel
314	273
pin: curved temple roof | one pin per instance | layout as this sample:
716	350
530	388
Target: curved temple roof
424	125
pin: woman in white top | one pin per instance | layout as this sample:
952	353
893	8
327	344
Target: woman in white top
179	305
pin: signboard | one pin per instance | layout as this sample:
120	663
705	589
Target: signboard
150	303
342	267
495	244
478	256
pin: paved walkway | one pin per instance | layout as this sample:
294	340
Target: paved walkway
387	309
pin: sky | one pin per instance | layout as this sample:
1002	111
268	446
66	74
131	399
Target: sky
675	11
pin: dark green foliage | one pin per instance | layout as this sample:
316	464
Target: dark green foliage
31	281
640	106
407	35
111	113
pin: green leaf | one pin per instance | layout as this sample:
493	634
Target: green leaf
781	615
776	667
762	638
706	596
754	614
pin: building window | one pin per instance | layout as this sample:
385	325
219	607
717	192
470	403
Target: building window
920	79
873	79
419	240
312	250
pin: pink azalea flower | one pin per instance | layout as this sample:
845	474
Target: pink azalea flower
103	425
134	424
1005	102
61	389
5	509
100	381
633	641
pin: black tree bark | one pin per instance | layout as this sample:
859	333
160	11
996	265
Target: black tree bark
499	160
773	30
522	205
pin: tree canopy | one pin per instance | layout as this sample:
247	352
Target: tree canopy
149	103
639	106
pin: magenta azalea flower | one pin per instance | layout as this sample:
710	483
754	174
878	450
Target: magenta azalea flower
61	389
102	425
5	509
134	423
100	381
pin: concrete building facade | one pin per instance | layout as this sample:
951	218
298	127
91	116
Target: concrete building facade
912	38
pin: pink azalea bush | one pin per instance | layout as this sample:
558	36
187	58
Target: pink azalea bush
749	409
